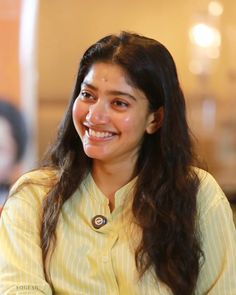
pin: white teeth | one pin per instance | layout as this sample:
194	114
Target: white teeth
99	134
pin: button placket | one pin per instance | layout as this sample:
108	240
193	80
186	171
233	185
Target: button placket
107	253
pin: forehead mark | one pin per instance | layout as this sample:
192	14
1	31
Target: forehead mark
104	79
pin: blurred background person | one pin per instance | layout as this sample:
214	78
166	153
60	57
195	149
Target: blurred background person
13	140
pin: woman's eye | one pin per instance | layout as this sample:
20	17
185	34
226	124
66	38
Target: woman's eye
85	95
120	104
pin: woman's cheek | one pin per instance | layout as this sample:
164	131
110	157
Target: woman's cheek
128	122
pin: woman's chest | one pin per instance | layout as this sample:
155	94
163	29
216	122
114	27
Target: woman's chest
98	259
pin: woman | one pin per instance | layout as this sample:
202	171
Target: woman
13	141
118	207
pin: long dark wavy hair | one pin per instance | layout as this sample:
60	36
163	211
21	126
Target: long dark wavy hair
164	203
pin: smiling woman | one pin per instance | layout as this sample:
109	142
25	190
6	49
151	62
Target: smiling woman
119	205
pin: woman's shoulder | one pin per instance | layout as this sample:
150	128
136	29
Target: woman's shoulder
209	194
34	185
43	176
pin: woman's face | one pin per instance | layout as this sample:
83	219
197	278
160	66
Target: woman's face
110	115
7	151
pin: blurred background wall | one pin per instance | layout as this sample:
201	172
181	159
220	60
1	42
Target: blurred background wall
9	52
201	35
18	69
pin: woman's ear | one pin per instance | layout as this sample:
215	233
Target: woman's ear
155	120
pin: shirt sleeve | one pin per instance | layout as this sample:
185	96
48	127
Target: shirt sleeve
21	267
218	273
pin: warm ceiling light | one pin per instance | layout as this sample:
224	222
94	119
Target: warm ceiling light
215	8
205	36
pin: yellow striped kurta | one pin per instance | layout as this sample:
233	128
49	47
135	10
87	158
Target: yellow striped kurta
101	261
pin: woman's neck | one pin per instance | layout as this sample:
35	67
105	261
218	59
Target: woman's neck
111	177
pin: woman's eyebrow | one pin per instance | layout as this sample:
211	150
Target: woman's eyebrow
110	92
89	85
121	93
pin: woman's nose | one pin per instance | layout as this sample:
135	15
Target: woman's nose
98	113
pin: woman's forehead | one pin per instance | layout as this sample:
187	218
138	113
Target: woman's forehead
109	71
